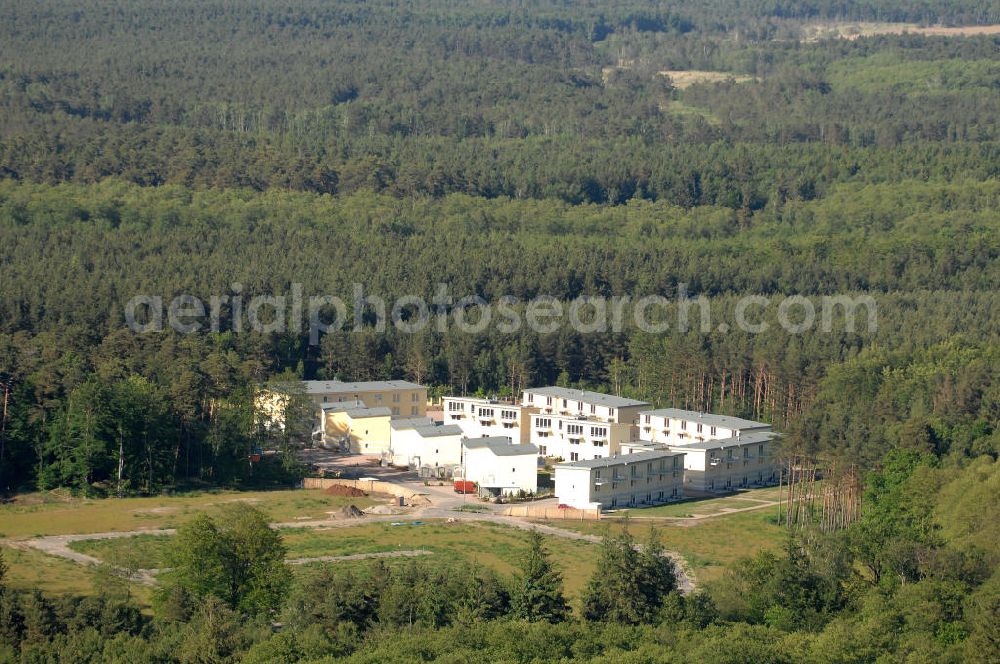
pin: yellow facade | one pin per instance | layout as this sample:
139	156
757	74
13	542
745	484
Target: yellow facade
368	434
401	403
402	398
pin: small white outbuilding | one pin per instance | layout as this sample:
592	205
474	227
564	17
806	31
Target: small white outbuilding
500	467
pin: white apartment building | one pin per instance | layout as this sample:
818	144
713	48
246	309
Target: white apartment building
420	443
673	426
579	425
488	418
499	467
574	438
628	480
582	403
744	460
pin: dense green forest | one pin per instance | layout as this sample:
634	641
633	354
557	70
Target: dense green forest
500	150
518	149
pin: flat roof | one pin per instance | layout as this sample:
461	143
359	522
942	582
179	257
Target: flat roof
339	387
486	401
620	459
752	438
499	446
572	417
724	421
433	430
586	396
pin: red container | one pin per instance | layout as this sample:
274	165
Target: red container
465	486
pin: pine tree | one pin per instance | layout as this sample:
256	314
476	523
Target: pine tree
538	593
614	593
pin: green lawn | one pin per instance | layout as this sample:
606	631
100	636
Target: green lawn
496	546
708	545
47	514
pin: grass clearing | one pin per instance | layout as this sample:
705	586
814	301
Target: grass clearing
493	545
29	569
37	514
709	545
141	551
682	79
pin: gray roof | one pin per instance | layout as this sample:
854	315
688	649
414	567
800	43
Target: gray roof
338	387
618	459
724	421
586	396
399	423
442	430
342	406
752	438
369	412
500	446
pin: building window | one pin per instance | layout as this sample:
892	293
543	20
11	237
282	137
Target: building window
542	450
548	401
684	425
413	410
508	414
574	429
395	411
698	428
573	456
593	409
598	432
712	431
455	405
645	418
414	396
395	397
325	399
378	397
543	423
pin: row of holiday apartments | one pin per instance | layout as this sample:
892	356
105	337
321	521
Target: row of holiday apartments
609	451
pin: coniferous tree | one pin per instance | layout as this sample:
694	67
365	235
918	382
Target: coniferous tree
537	591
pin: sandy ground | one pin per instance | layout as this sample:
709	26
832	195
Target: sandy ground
867	29
685	79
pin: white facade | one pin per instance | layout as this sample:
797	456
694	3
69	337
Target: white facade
628	480
673	426
500	467
743	461
486	418
420	443
582	403
572	438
